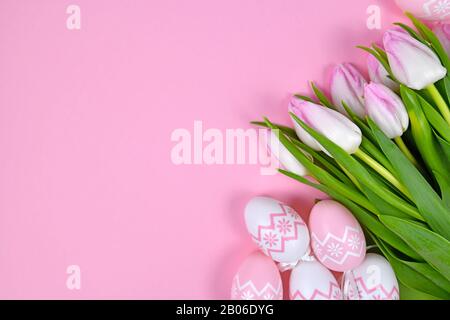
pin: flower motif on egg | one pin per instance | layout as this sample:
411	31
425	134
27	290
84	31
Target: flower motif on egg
335	249
247	295
268	296
432	10
284	226
441	7
277	229
337	238
270	239
354	242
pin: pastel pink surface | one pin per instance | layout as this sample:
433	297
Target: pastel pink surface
336	236
85	123
258	278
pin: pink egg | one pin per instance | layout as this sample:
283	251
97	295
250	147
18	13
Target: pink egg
258	278
312	281
432	10
337	239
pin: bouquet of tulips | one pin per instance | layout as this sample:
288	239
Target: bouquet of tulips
382	149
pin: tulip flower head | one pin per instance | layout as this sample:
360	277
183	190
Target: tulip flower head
347	84
413	63
386	109
333	125
378	74
442	31
286	159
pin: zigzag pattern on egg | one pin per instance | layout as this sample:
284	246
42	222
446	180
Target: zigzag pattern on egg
271	240
334	293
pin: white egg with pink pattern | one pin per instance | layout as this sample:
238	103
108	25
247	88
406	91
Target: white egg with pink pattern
310	280
373	279
277	229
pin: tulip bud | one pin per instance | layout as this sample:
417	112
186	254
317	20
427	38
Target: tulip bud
286	159
442	31
386	109
347	85
333	125
412	63
378	74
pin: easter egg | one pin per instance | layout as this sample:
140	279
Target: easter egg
337	239
432	10
258	278
373	279
277	229
310	280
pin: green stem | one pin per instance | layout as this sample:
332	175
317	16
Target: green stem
382	171
440	102
351	177
401	144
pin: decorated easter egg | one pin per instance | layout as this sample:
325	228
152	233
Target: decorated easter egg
336	237
373	279
277	229
312	281
433	10
258	278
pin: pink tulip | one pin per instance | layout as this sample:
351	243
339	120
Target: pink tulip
378	73
386	109
347	85
333	125
284	156
413	63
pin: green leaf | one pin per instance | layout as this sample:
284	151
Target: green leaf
364	217
367	133
383	206
360	173
445	146
428	202
434	42
321	96
436	120
302	97
421	130
434	248
431	274
444	185
324	161
409	276
367	145
286	130
446	82
384	62
407	293
412	32
380	51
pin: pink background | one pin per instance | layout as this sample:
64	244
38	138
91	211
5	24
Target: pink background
85	122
